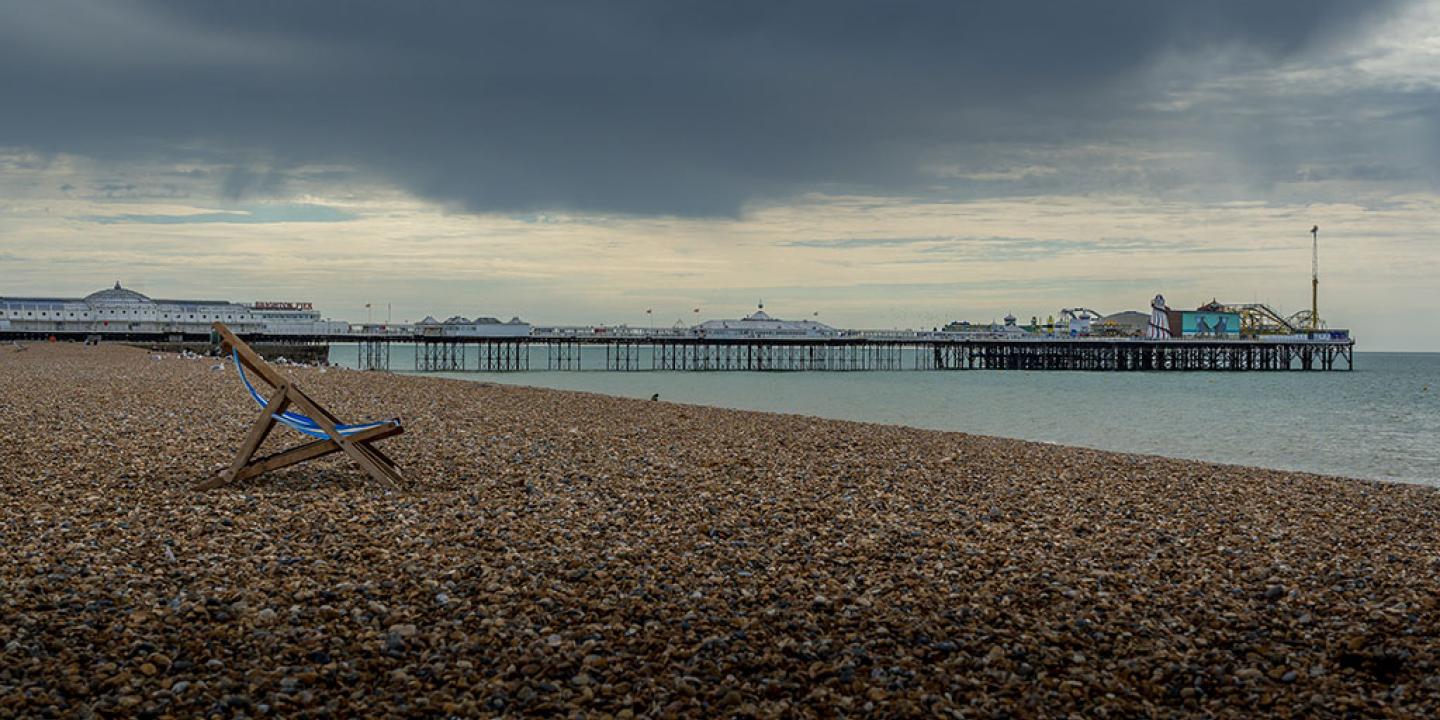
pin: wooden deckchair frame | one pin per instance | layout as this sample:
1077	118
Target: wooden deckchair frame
358	445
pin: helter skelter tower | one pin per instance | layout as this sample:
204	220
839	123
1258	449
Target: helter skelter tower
1159	328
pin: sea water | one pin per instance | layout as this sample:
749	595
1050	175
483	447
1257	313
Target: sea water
1380	421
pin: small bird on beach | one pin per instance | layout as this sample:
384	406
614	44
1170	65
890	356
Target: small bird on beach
654	397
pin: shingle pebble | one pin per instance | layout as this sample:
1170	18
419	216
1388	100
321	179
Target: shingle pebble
571	554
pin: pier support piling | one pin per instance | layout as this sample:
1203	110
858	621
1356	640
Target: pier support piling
374	354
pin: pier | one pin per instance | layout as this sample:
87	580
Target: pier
635	354
890	351
1213	337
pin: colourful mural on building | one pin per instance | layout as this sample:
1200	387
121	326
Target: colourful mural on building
1209	324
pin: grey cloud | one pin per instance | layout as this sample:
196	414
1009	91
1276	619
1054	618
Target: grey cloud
121	190
645	107
850	243
946	249
719	295
253	216
240	182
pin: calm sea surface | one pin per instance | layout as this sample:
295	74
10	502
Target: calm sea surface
1381	421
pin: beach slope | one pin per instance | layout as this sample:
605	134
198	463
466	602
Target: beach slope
568	553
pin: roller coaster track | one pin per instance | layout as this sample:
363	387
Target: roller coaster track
1261	319
1078	313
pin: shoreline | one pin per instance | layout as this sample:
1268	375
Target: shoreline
799	416
561	551
930	404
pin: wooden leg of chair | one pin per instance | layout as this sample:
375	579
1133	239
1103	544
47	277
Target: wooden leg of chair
308	451
259	430
384	462
380	454
367	462
367	457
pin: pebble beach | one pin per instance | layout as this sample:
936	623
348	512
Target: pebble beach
569	554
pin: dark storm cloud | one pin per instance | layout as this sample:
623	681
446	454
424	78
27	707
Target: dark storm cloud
644	107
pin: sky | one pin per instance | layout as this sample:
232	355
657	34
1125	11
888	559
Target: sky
872	165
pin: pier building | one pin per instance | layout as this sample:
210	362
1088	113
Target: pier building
458	326
760	325
120	311
1009	329
1127	323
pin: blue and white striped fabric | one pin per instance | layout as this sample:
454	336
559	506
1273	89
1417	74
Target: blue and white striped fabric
296	421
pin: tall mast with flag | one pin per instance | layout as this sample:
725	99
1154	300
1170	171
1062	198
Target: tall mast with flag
1315	278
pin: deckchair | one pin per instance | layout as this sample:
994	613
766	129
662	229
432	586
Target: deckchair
330	434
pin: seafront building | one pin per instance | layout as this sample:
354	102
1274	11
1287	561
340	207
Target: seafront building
1127	323
120	311
459	326
759	324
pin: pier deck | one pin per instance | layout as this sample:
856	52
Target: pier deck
924	351
629	354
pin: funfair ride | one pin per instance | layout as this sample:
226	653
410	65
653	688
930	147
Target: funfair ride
1261	319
